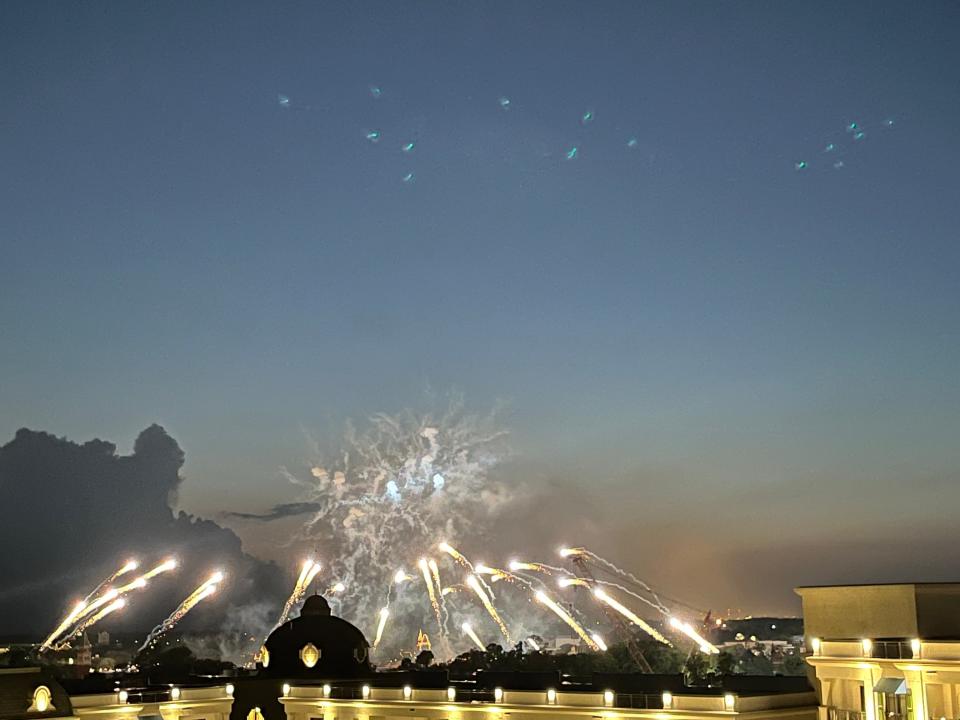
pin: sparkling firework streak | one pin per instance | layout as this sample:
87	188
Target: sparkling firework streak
336	588
687	629
64	624
450	589
474	584
384	614
400	577
468	631
568	581
617	571
545	599
603	597
533	643
435	574
455	554
92	620
163	567
137	584
129	566
599	641
428	580
299	589
207	588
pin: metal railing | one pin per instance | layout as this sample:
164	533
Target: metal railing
639	701
892	650
840	714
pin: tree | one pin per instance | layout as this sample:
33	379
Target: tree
696	668
424	659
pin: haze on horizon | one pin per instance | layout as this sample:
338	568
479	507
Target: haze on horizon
730	374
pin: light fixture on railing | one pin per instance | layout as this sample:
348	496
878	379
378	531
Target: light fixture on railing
867	645
667	698
608	698
229	688
326	690
365	691
174	693
451	694
498	694
729	701
915	647
286	689
123	696
551	696
407	692
815	645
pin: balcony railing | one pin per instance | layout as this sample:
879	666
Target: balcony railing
892	650
839	714
640	701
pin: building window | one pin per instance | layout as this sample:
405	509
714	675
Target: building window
310	655
42	700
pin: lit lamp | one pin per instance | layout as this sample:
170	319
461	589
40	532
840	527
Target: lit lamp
498	694
451	694
365	691
667	698
551	696
326	690
608	698
915	647
174	693
867	646
286	689
815	645
122	697
229	689
729	701
407	692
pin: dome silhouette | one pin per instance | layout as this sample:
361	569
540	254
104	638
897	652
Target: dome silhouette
315	645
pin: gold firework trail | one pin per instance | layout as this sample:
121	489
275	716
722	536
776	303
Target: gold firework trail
384	614
474	584
603	597
299	589
64	624
545	599
91	620
468	631
428	580
207	588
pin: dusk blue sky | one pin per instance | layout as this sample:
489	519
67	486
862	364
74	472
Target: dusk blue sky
729	364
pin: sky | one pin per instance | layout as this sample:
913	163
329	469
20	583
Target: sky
728	354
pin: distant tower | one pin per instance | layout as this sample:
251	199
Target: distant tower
423	641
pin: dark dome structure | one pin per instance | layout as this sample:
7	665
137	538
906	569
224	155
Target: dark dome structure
315	645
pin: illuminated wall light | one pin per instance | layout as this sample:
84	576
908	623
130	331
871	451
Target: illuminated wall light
551	696
915	647
729	701
326	690
123	696
407	692
42	699
608	698
451	694
867	645
229	689
174	693
365	691
286	689
815	645
667	698
309	655
498	694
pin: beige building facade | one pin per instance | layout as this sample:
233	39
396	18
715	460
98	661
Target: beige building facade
884	652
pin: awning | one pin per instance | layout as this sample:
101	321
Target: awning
892	686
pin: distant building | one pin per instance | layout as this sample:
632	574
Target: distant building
885	652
